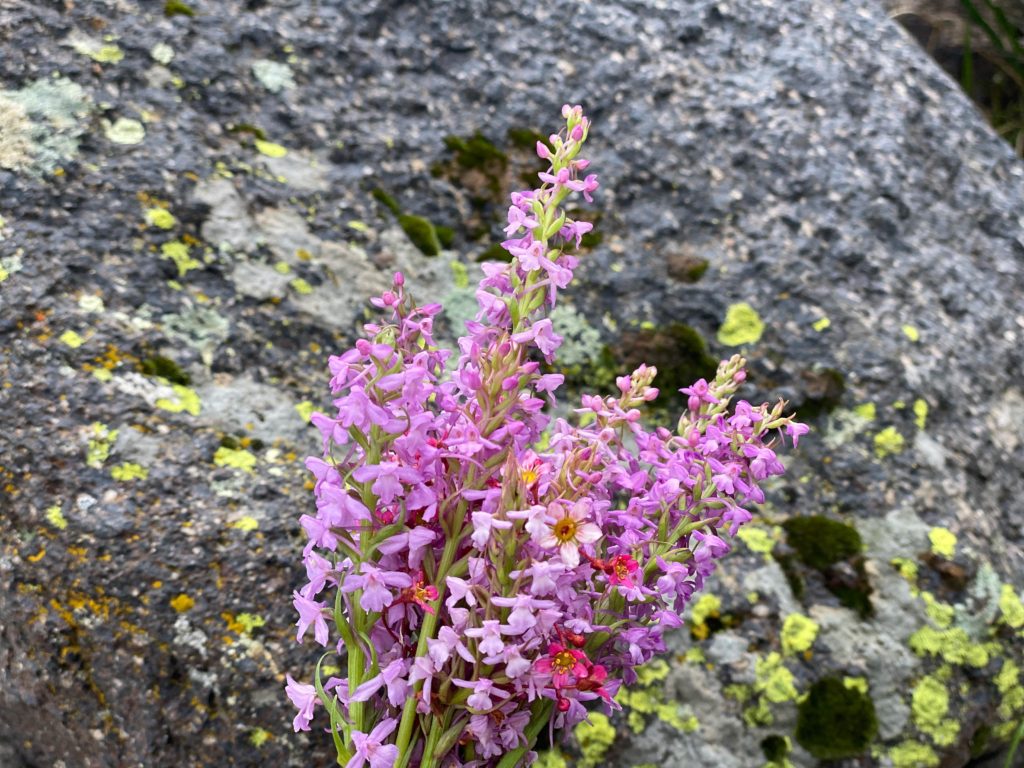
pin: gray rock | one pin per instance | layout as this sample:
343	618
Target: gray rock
817	160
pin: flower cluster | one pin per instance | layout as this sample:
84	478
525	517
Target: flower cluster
482	570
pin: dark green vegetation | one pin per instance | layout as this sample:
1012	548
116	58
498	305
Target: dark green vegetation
164	368
177	8
982	49
422	233
775	748
480	163
835	550
834	721
678	351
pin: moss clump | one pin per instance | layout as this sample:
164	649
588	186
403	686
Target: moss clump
478	166
775	748
834	549
494	253
834	721
821	542
177	8
421	232
476	153
386	200
677	350
526	138
247	128
164	368
446	235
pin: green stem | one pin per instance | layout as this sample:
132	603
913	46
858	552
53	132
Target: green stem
426	633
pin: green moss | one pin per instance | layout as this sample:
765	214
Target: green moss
477	165
177	8
980	740
798	633
164	368
821	542
445	235
421	232
494	253
775	748
386	200
248	128
476	152
834	721
791	570
526	138
742	326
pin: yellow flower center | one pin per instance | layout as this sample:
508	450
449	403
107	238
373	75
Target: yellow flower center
563	662
529	476
565	530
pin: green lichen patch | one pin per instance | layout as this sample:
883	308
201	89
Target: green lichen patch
42	124
920	409
1011	606
269	148
742	326
56	518
273	75
160	217
421	232
100	444
774	680
238	458
595	739
834	721
127	471
178	252
184	400
125	131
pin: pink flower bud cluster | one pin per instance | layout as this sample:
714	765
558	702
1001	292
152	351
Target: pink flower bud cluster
478	571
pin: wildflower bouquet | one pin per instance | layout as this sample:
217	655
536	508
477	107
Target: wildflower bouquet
484	571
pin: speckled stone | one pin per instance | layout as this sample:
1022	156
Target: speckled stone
807	150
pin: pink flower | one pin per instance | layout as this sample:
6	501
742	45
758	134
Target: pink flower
305	698
375	582
310	613
569	531
371	748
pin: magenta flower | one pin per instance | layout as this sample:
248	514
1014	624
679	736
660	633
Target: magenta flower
388	477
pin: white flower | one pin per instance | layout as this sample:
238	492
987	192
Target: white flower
569	531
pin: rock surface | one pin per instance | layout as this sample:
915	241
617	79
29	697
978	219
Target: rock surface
189	230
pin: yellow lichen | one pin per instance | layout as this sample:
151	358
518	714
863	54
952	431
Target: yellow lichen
595	738
920	413
952	645
177	252
550	759
1012	693
821	324
182	603
911	332
160	217
758	539
100	445
798	633
856	684
706	607
301	286
129	471
652	672
865	411
259	736
185	400
72	339
246	524
913	754
774	680
1011	607
305	410
269	148
239	458
742	326
940	613
56	518
943	542
929	706
888	442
